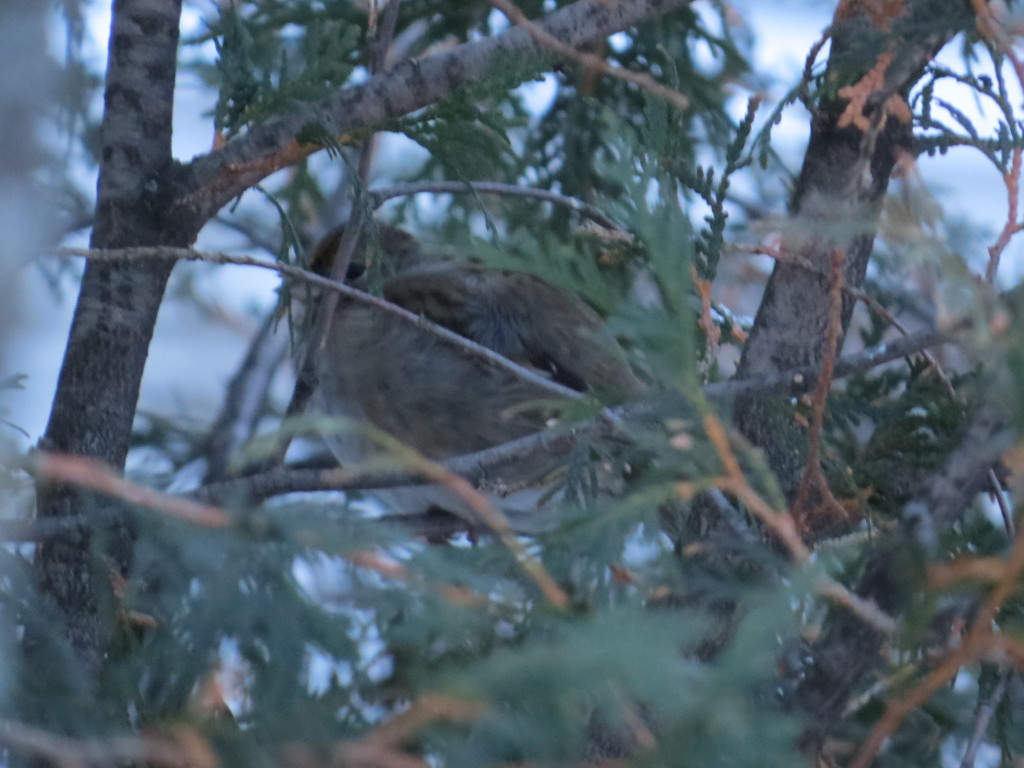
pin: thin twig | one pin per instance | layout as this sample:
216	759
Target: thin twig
780	522
865	610
476	465
219	257
814	488
488	514
996	491
247	391
473	467
549	441
94	475
986	709
1011	227
383	565
990	28
378	197
897	710
588	60
796	260
812	56
97	476
783	525
981	638
323	315
798	380
785	381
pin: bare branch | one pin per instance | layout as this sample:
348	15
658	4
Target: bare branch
800	380
379	196
986	709
794	381
474	467
218	257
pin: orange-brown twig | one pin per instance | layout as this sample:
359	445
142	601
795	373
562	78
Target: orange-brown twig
97	476
1011	227
487	513
712	333
394	570
783	526
383	746
814	503
983	569
187	750
982	638
990	28
735	482
291	154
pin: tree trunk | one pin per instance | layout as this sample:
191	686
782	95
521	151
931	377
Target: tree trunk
837	202
117	306
836	207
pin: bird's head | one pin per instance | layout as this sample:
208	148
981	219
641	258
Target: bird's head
397	249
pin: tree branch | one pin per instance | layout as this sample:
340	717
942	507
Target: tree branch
210	182
353	294
380	196
243	402
489	462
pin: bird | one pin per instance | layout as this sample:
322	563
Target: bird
439	399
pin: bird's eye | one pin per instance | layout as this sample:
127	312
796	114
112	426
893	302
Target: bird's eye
355	271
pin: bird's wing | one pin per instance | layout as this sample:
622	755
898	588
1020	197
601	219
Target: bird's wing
521	317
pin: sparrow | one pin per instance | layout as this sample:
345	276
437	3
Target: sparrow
442	400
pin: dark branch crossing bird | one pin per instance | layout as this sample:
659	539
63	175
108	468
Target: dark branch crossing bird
379	369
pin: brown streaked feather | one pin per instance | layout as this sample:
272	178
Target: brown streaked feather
521	317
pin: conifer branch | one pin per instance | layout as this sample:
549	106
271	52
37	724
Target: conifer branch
209	182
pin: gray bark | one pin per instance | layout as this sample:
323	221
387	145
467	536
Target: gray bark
113	322
836	207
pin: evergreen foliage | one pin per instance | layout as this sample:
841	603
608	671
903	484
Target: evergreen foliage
304	630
